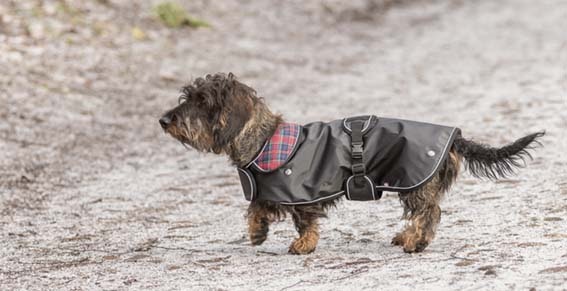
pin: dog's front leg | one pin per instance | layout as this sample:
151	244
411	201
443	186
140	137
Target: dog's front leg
307	226
259	219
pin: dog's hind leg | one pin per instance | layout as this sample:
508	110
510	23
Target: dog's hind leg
421	208
305	219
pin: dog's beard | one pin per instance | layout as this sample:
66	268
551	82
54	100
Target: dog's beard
180	138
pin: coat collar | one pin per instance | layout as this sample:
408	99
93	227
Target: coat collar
278	148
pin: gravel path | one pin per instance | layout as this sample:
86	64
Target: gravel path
94	196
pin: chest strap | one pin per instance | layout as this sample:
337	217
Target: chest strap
357	148
359	186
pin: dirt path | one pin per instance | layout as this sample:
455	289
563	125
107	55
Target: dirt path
94	196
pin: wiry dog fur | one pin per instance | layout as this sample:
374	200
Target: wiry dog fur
219	114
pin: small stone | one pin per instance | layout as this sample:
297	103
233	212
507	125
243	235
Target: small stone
36	29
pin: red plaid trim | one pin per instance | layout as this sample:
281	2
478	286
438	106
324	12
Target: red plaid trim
278	149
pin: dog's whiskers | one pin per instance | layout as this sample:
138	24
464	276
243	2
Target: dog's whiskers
185	145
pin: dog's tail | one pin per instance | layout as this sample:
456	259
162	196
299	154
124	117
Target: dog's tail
485	161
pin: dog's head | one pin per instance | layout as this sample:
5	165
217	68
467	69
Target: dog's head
211	112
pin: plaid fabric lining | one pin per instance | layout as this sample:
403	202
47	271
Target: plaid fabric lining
278	149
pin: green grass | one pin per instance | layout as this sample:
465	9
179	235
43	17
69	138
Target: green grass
173	15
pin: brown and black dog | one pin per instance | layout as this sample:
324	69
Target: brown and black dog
219	114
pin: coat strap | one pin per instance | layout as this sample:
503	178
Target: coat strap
357	148
359	186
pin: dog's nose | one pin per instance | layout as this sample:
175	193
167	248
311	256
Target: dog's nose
165	122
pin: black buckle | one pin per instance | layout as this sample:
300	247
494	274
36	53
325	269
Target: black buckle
358	169
357	150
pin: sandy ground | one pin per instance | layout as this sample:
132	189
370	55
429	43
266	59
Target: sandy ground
94	196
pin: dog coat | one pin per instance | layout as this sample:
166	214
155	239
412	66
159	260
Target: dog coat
358	157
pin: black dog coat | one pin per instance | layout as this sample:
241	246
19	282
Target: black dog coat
358	157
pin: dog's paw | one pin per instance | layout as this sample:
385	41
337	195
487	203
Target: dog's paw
258	232
410	244
300	251
414	248
258	238
398	240
420	246
301	246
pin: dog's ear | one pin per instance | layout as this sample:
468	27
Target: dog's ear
233	110
228	123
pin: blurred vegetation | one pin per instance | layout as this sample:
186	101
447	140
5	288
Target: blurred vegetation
174	15
138	33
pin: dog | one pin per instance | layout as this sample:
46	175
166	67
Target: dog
219	114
